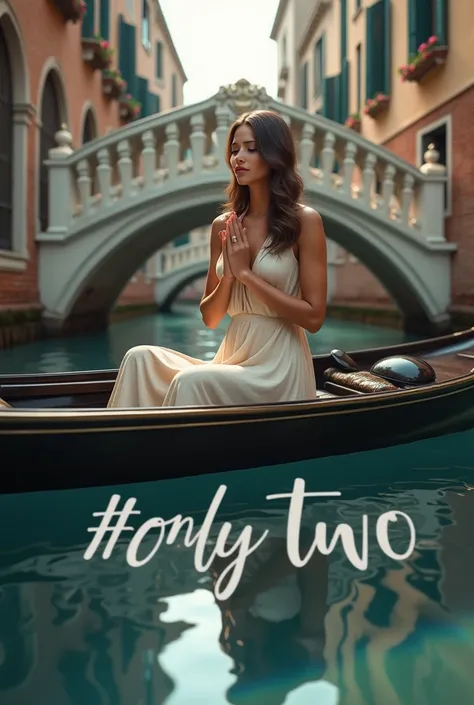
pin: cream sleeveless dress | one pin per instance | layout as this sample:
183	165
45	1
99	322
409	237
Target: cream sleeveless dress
262	358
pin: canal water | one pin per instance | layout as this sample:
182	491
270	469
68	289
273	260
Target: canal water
81	628
181	330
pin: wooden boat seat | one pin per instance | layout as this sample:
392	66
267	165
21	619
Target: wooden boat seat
4	405
362	382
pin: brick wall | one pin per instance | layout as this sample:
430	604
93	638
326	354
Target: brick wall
460	225
355	284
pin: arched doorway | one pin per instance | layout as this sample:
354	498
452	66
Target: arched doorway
6	146
50	124
89	130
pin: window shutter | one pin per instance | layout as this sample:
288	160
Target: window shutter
343	10
153	104
127	55
369	52
142	95
304	86
88	21
344	83
159	60
105	19
441	28
387	47
378	53
412	30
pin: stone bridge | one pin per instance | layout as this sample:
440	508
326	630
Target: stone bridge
179	266
117	200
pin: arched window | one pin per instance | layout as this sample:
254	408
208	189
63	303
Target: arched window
89	131
6	146
50	124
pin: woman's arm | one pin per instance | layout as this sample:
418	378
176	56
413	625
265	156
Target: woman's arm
215	300
308	312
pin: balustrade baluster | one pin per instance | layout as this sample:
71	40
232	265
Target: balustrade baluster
172	150
306	149
198	141
368	178
407	198
84	183
348	168
104	174
327	158
388	188
125	168
149	158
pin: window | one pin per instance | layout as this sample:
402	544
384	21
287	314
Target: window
304	86
145	25
174	91
159	60
425	18
318	67
359	77
283	51
438	133
378	50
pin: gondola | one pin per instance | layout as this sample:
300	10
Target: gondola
56	432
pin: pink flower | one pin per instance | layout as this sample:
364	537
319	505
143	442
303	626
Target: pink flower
422	47
433	39
380	96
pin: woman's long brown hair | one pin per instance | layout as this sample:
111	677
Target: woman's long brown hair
275	144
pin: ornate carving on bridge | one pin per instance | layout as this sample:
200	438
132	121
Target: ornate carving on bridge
243	96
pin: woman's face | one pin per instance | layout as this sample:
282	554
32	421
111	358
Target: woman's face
245	161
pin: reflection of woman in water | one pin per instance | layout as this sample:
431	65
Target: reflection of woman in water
273	625
267	270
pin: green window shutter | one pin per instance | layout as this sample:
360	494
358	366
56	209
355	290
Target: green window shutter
377	57
153	104
369	52
105	19
343	10
421	23
88	21
174	91
344	91
441	28
159	60
412	33
387	48
142	95
304	86
331	108
127	55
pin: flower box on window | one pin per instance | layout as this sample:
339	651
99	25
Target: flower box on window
71	10
129	108
377	105
97	52
113	84
353	122
430	55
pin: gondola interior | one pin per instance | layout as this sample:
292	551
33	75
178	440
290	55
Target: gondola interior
338	375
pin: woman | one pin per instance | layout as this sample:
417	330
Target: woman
267	270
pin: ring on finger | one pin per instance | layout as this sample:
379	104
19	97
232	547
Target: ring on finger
234	239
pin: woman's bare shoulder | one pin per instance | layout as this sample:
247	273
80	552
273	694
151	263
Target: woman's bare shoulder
308	216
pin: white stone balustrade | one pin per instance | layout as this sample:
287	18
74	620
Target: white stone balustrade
157	153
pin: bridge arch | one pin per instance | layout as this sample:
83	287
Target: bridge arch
91	250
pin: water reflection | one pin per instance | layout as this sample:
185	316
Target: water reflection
99	633
183	330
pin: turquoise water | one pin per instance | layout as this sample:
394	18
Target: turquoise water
101	632
97	631
182	330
